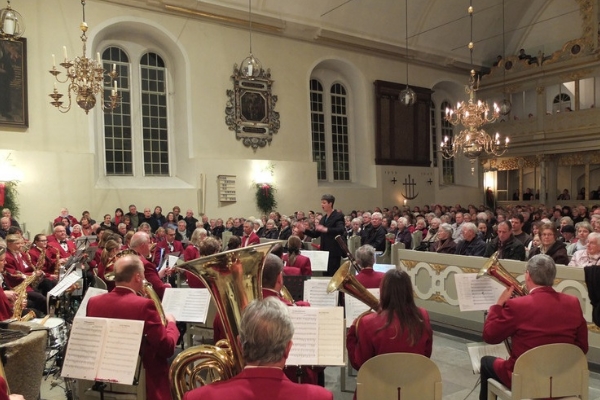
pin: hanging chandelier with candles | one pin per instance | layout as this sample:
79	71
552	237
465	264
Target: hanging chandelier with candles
86	78
407	97
473	140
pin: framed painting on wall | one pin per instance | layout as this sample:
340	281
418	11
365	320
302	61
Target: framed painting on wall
13	83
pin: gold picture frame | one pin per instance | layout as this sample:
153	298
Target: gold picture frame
13	83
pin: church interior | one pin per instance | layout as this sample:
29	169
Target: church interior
206	104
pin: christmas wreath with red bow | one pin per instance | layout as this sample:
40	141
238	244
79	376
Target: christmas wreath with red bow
8	197
265	197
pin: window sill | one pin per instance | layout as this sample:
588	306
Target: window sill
147	182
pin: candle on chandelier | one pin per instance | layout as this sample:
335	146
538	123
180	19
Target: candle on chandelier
114	67
65	52
53	61
55	88
98	59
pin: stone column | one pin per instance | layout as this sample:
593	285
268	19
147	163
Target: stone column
543	185
587	159
552	180
521	164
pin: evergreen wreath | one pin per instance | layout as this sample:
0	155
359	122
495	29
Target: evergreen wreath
9	197
265	197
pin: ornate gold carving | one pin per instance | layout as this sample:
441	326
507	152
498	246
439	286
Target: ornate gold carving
410	264
508	164
581	158
467	270
593	328
540	89
438	268
438	298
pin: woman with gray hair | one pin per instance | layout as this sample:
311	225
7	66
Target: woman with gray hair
403	235
590	255
445	244
365	258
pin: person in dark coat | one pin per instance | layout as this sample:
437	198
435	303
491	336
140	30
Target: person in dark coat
507	246
330	226
445	244
556	249
473	244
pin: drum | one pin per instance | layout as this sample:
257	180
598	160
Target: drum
57	331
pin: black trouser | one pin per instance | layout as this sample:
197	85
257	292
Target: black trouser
487	371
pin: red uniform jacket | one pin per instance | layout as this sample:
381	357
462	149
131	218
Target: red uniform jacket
49	265
71	248
16	264
301	265
191	253
259	384
370	278
369	342
6	309
542	317
158	343
71	218
250	240
163	246
151	275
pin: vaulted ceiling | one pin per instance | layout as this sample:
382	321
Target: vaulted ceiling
439	27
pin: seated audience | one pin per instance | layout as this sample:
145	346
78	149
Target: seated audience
590	255
551	246
444	244
472	244
505	244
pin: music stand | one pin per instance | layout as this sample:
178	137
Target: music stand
295	285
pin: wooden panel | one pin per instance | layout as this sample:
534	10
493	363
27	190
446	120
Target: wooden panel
402	133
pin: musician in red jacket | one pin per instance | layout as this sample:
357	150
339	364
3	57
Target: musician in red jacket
159	341
140	243
368	277
167	246
398	327
542	317
59	241
266	338
249	238
295	263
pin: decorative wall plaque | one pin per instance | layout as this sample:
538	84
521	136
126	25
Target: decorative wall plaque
250	110
227	188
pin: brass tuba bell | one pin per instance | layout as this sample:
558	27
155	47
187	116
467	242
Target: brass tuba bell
345	282
234	280
494	269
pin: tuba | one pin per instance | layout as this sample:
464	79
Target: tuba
234	280
345	282
494	269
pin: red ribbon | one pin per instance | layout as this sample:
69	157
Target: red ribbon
2	193
266	189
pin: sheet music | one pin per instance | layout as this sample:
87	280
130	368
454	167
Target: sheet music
315	292
121	349
103	349
304	349
355	307
478	350
187	305
476	294
91	292
171	260
331	336
64	284
318	336
383	267
84	348
318	259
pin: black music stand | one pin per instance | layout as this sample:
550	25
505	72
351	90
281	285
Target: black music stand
295	285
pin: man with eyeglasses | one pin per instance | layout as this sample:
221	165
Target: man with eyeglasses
140	243
124	302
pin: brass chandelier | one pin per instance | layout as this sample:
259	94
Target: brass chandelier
86	78
473	140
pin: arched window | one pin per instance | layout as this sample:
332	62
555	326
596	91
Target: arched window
329	131
137	147
561	103
446	132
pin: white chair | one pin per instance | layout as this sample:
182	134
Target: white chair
553	370
399	375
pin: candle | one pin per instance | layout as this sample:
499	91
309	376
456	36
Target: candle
116	86
53	61
55	86
65	52
114	67
99	59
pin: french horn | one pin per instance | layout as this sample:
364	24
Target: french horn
345	282
494	269
234	279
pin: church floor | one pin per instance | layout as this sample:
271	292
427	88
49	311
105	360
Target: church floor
449	353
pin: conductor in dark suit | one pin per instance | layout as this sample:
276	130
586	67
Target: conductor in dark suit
542	317
266	339
159	341
331	225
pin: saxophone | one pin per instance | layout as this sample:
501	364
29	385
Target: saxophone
21	291
39	266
